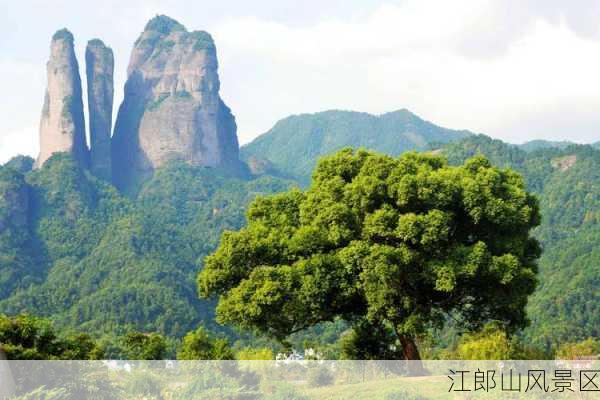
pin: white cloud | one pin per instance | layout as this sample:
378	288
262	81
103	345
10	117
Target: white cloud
420	55
22	141
514	69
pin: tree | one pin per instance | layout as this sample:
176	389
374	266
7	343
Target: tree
200	345
573	351
25	337
400	242
492	343
144	346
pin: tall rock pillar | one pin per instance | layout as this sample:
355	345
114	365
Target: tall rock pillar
172	109
99	62
62	126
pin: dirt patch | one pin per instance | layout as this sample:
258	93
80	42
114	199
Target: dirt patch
564	163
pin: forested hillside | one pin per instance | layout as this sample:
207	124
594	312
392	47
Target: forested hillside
74	249
295	143
544	144
566	305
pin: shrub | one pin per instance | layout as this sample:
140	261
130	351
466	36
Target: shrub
320	376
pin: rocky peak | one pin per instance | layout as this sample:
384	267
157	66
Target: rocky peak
62	127
172	109
99	63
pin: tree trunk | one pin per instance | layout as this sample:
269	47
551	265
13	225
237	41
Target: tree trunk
409	348
412	356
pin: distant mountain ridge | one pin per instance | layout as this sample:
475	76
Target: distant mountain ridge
295	143
538	144
565	306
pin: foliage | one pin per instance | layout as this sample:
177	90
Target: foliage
89	257
566	179
368	341
574	351
254	354
22	164
492	343
30	338
163	25
285	392
42	393
201	345
143	384
294	144
17	265
319	376
399	242
63	34
144	346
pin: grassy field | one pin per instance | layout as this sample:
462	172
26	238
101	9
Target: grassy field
430	387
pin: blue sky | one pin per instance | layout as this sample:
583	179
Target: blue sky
514	69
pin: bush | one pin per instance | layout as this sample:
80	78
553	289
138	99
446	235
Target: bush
285	392
573	351
251	354
319	377
492	343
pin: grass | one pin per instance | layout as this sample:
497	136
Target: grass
430	387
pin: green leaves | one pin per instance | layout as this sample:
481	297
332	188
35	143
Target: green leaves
394	242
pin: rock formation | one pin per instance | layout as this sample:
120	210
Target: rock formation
172	109
62	127
99	63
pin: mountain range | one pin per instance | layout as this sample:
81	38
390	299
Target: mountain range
110	237
294	144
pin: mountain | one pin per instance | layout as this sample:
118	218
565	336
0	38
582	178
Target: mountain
533	145
100	66
62	125
566	304
110	238
172	109
295	143
76	250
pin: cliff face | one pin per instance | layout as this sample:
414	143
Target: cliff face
62	127
172	109
99	62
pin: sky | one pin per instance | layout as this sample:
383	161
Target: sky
516	70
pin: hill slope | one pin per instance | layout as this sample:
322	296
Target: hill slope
533	145
566	304
91	258
294	144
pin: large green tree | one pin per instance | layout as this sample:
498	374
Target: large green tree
398	243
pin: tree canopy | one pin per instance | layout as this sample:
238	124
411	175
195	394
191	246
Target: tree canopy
398	243
24	337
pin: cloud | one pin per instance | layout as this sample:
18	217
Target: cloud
514	69
21	141
459	64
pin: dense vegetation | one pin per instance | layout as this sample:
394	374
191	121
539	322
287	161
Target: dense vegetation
24	337
295	143
76	251
566	306
394	244
90	258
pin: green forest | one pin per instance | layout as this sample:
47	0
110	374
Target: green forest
86	272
